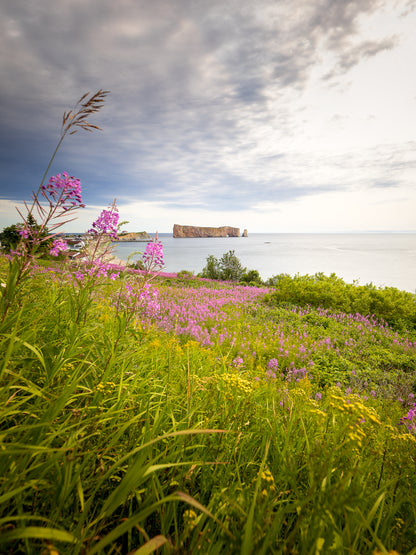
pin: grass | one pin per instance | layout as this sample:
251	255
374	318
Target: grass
202	419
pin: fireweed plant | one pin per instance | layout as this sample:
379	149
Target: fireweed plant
53	203
63	371
184	415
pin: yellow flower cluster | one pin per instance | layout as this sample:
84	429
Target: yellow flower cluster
305	385
191	344
354	407
301	395
267	483
68	367
174	347
356	434
234	382
106	387
106	311
317	412
357	414
190	519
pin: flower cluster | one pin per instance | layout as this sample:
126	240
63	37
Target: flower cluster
63	190
233	383
140	299
96	269
106	223
153	255
238	362
23	232
410	420
272	367
267	483
58	246
190	519
273	363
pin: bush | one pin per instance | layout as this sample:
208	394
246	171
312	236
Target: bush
137	265
231	268
212	268
228	268
9	237
185	274
252	277
397	308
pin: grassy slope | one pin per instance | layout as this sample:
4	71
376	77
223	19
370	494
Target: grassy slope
118	428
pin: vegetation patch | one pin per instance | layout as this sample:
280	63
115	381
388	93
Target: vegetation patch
143	414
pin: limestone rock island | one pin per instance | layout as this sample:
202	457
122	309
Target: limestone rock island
195	231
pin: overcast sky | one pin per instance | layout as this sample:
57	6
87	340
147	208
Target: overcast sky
270	115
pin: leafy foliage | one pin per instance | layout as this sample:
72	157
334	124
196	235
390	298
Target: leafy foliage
398	308
9	237
212	269
229	268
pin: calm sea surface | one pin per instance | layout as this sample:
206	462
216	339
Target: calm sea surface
385	259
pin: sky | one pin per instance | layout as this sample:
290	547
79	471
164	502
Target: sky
267	115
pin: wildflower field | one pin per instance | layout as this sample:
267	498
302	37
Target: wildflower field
193	416
145	413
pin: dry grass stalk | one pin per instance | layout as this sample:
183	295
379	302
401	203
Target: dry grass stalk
78	116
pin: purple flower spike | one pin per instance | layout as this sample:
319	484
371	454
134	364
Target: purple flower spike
57	247
106	223
153	256
64	190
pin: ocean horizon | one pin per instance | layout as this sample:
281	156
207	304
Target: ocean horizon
384	259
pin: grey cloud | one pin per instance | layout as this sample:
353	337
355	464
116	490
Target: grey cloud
187	80
351	56
384	184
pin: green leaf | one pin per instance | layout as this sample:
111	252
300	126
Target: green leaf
150	546
37	532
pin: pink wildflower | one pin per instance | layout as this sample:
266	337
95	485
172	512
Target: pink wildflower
64	190
153	255
106	223
57	247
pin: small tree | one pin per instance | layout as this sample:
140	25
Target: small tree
230	267
10	237
212	268
252	277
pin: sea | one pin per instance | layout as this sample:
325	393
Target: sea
383	259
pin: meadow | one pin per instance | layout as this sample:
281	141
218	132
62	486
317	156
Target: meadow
197	416
142	412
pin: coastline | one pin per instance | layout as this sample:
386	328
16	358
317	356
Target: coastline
384	259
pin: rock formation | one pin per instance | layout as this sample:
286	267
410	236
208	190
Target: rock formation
139	236
245	234
195	231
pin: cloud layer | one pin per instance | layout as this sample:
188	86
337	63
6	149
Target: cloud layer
220	107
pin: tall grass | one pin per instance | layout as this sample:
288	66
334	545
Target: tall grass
116	435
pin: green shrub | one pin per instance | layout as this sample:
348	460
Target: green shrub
212	268
185	274
397	308
252	277
227	268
